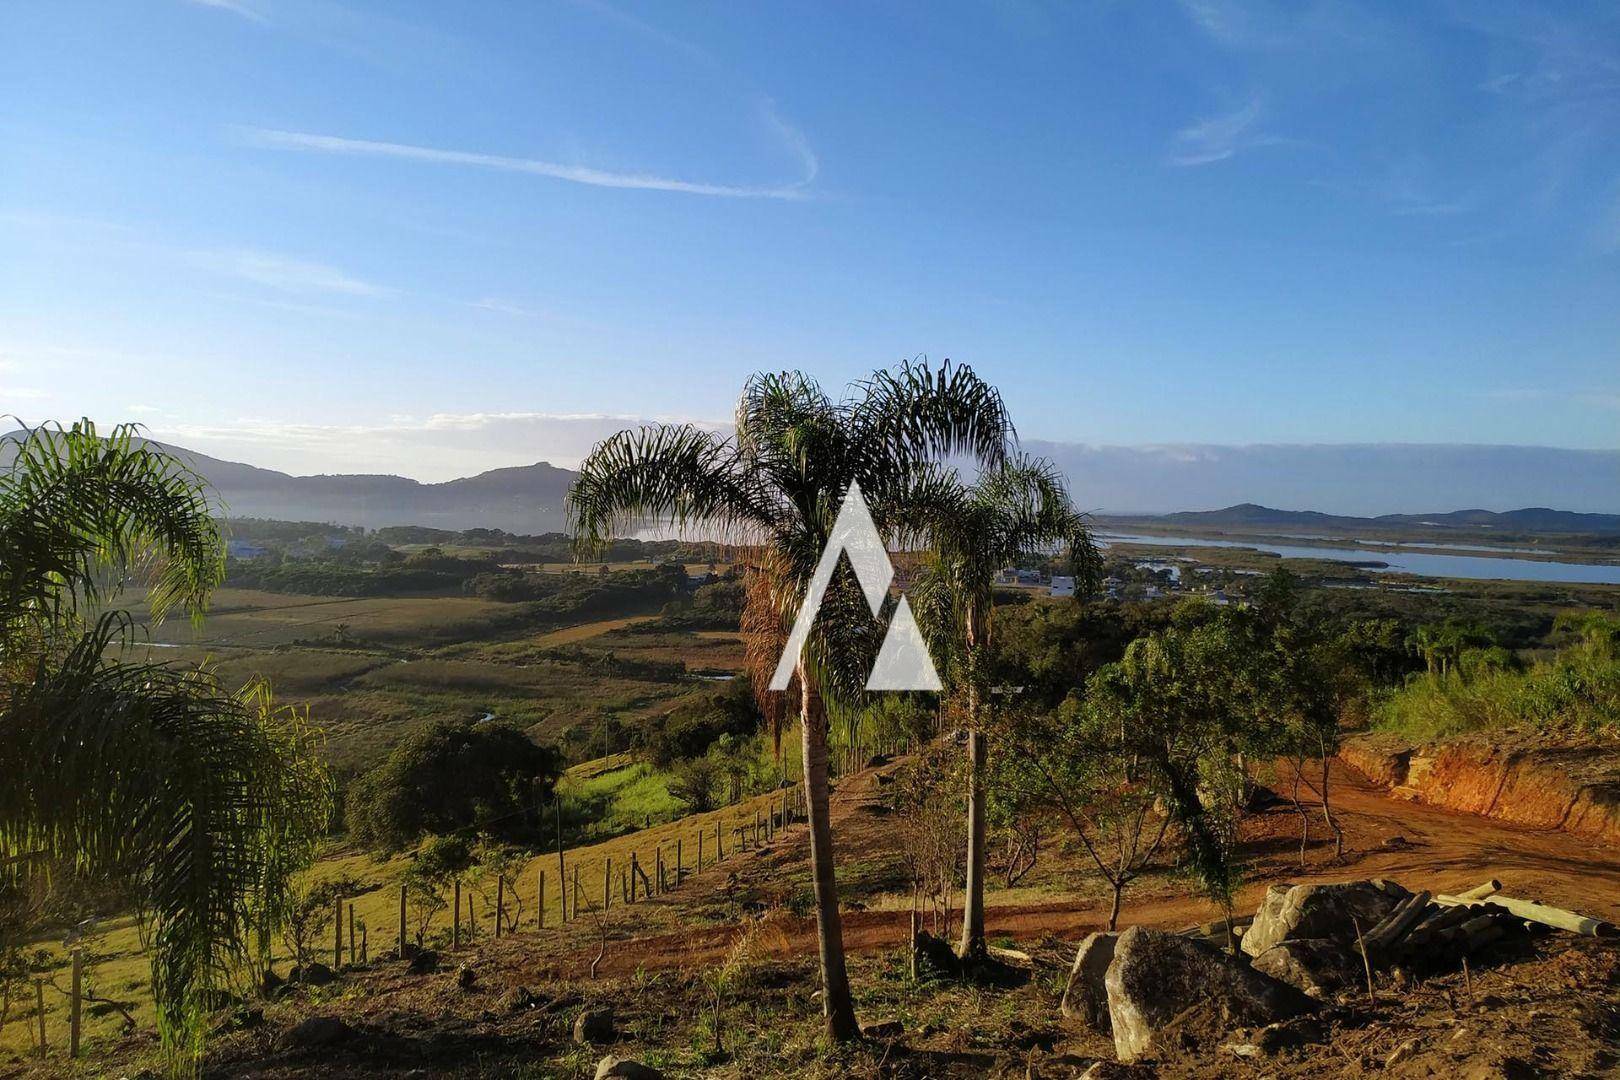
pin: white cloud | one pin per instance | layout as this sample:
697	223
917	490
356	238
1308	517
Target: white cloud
235	7
1218	137
286	274
434	448
576	174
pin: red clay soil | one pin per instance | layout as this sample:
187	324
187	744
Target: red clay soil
1421	846
1572	788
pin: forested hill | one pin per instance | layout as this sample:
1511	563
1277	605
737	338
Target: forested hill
1534	519
525	499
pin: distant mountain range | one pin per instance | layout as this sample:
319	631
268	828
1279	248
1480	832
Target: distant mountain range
1535	519
524	499
1109	481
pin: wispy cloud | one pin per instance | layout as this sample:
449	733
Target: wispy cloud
235	7
576	174
1218	137
286	274
503	307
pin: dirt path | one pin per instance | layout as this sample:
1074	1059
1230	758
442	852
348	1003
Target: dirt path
1436	849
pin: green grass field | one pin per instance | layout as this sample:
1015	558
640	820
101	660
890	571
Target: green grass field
372	670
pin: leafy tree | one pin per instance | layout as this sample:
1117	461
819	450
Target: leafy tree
1190	703
453	775
199	801
695	784
1013	511
776	483
1078	763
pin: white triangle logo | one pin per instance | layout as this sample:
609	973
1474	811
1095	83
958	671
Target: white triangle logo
903	662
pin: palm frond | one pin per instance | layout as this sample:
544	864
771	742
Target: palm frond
76	506
669	473
202	800
920	412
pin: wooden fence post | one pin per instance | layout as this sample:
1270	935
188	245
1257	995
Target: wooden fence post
500	904
562	869
634	866
576	889
351	931
402	922
472	918
624	885
337	933
455	926
77	1002
541	892
39	1008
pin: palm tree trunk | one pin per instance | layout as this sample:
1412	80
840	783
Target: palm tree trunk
837	1005
972	944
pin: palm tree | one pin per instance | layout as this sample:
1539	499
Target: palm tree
776	483
1018	509
197	801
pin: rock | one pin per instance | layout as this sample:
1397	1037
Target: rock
520	999
1156	978
271	984
314	973
1291	1034
626	1068
1315	966
1086	996
1316	911
883	1029
424	962
1406	1050
594	1026
466	977
317	1031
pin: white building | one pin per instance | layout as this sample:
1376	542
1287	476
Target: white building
1062	586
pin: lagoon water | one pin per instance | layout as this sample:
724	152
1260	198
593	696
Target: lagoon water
1475	567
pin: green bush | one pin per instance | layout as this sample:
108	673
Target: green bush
455	776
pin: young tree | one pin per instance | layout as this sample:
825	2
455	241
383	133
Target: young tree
1019	509
201	802
777	483
1078	764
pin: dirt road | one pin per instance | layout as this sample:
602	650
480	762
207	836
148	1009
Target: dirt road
1421	846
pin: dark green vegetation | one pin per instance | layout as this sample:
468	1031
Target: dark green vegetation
195	801
455	777
1473	684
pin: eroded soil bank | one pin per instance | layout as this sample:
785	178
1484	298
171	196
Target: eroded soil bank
1572	788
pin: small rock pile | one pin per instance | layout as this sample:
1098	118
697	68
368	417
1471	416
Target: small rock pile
1157	992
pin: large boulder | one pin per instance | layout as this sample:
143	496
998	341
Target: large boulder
1331	912
1158	978
1086	995
1315	966
594	1027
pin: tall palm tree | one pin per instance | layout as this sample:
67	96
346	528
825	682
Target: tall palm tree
776	483
1018	509
199	802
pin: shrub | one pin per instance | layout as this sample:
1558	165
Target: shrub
453	776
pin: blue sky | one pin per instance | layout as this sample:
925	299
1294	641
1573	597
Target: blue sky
435	238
